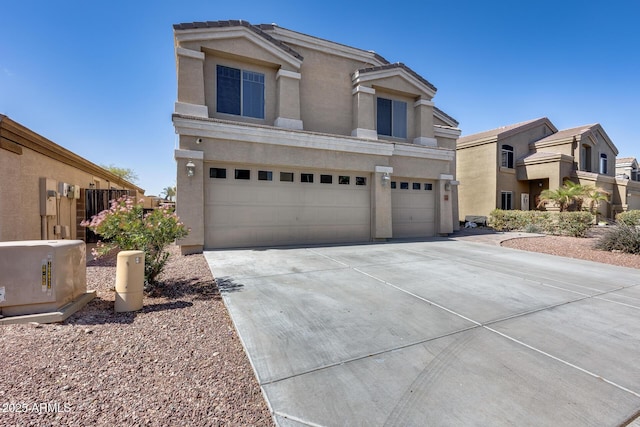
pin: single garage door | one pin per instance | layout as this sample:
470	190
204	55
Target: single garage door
413	207
247	207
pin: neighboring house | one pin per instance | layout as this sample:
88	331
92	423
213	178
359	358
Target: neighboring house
627	168
627	184
286	138
47	190
509	167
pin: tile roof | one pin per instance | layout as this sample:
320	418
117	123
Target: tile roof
618	160
566	133
497	132
401	66
540	155
258	29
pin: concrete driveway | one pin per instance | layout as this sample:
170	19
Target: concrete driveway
436	333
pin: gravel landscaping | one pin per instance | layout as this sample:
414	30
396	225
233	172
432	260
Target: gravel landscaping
176	362
574	247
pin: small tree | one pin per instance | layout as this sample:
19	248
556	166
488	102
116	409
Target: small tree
126	226
562	196
122	173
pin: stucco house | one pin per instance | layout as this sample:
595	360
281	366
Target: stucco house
47	190
286	138
510	166
627	184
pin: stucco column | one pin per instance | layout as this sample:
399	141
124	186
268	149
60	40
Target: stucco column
382	220
424	123
190	69
444	205
364	119
190	199
288	100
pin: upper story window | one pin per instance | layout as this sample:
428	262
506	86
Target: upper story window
507	157
392	118
603	164
240	92
585	158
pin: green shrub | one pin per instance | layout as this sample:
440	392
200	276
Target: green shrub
574	224
629	217
622	237
126	226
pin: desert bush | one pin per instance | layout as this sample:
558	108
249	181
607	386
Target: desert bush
621	237
125	226
574	224
631	217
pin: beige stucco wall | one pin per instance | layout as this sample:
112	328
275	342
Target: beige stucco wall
20	203
477	173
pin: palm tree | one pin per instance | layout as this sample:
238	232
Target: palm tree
562	197
595	196
169	193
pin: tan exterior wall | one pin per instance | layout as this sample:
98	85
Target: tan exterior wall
325	92
477	173
20	200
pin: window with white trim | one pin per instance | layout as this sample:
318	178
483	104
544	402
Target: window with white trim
603	163
392	118
239	92
507	156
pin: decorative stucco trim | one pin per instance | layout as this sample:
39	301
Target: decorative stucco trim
423	152
445	177
218	129
222	33
424	102
189	53
427	142
597	177
360	78
191	109
288	74
283	122
188	154
365	133
383	169
446	132
363	89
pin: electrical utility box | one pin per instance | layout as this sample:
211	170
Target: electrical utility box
39	276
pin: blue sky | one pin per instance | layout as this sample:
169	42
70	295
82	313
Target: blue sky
98	77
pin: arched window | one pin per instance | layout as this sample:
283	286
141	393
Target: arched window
603	164
507	156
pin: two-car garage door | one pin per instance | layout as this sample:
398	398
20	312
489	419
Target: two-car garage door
270	206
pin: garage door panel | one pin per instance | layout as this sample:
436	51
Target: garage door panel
267	213
413	210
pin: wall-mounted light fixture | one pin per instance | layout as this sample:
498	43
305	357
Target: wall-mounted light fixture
385	178
191	168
